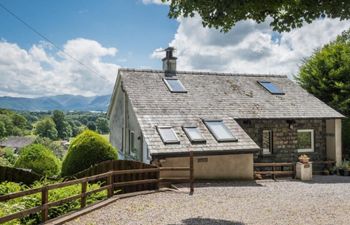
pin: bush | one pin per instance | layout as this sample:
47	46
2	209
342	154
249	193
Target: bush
40	159
87	149
54	146
18	204
7	157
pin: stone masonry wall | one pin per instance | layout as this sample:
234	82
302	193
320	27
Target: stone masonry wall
285	139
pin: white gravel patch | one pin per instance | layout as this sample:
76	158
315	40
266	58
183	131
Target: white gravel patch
325	200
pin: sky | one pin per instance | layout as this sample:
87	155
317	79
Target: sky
94	38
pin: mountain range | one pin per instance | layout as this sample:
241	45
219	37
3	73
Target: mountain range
60	102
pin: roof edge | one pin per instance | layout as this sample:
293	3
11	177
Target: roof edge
202	73
204	153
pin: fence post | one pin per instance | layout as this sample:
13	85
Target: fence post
191	173
110	182
83	196
44	201
158	178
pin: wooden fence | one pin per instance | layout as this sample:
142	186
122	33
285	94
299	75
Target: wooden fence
115	179
18	175
123	165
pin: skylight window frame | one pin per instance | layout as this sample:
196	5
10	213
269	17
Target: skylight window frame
218	139
169	86
279	92
194	140
177	141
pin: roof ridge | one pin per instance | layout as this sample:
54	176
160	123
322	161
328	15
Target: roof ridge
203	73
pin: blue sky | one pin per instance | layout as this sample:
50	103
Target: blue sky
108	34
134	28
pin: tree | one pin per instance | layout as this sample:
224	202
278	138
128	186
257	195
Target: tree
6	120
19	121
285	15
326	74
46	128
91	125
87	149
102	125
62	126
2	130
40	159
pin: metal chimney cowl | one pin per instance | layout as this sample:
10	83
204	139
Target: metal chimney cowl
169	62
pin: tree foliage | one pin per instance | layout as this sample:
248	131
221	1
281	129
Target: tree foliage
40	159
46	128
102	125
64	130
285	15
326	74
87	149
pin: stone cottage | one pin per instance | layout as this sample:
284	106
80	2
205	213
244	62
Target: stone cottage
227	120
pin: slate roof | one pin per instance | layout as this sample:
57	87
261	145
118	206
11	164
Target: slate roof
213	95
16	141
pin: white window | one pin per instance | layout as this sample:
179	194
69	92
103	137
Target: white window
220	131
168	135
306	140
174	85
267	144
193	134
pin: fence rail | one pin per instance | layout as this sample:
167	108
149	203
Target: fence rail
114	179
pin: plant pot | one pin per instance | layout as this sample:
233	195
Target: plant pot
343	172
304	161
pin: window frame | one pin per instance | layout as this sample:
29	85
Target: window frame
217	138
194	141
177	141
261	83
268	151
169	86
312	149
132	143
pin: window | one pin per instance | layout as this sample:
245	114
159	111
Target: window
272	88
131	142
193	134
220	131
168	135
267	145
174	85
305	140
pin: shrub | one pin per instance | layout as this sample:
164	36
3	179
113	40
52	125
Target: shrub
40	159
18	204
54	146
87	149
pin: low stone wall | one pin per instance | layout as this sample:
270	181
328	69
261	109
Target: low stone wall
285	142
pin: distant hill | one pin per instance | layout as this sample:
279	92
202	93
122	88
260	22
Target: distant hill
61	102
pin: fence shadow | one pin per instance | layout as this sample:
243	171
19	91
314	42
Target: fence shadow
222	183
209	221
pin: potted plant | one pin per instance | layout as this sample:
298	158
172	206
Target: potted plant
333	170
325	171
344	168
304	159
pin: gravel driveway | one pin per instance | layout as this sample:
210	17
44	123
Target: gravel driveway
325	200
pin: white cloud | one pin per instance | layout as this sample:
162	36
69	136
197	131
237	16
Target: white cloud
158	2
41	71
249	47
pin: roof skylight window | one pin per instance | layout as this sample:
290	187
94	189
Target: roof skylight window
272	88
168	135
175	85
220	131
193	134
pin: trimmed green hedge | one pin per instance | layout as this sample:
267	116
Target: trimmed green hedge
40	159
87	149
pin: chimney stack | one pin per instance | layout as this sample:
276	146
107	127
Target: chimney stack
169	62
